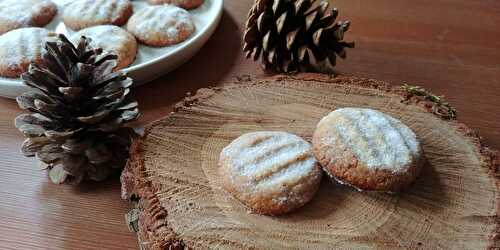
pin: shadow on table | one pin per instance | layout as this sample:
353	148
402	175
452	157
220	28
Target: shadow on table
90	215
48	190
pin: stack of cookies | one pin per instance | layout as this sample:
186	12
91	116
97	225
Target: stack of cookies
113	25
276	172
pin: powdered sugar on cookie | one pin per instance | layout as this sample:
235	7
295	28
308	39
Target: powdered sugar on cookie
376	139
113	39
15	14
161	25
20	48
271	172
86	13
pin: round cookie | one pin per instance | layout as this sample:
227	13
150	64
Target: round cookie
15	14
367	149
186	4
113	39
161	25
21	47
270	172
86	13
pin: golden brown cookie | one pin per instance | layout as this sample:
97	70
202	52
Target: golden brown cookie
113	39
186	4
161	25
270	172
86	13
15	14
367	149
21	47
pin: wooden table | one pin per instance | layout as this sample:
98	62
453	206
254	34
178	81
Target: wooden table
451	47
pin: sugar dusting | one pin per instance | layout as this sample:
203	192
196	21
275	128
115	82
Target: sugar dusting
273	164
109	38
376	139
96	11
21	11
22	46
167	21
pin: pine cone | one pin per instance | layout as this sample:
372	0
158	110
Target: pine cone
295	35
78	110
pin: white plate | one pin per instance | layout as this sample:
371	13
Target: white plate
151	62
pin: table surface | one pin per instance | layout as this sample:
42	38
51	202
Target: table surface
450	47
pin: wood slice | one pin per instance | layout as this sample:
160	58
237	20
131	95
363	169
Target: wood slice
172	170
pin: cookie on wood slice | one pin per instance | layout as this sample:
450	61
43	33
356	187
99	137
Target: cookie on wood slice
161	25
112	39
87	13
21	47
270	172
15	14
367	149
186	4
173	173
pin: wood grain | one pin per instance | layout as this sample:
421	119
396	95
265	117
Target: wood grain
448	46
452	205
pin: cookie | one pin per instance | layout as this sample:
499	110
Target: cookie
21	47
270	172
15	14
161	25
86	13
186	4
113	39
367	149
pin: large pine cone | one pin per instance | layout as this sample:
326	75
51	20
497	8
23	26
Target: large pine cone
78	110
295	35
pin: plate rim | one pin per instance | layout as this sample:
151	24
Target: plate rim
16	84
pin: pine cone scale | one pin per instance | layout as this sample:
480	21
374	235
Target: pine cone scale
280	23
30	100
61	135
106	79
49	158
32	130
310	19
31	145
128	106
30	81
94	118
301	6
74	147
35	119
99	154
73	164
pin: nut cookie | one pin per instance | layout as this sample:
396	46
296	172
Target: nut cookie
367	149
113	39
161	25
15	14
86	13
21	47
270	172
186	4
